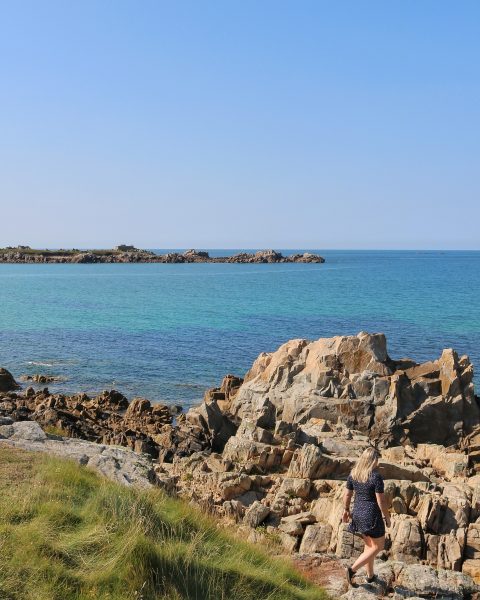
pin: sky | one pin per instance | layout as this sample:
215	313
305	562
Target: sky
240	124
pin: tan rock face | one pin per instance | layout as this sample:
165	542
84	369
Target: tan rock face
406	540
352	381
316	538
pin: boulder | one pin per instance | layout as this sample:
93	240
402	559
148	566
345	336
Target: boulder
398	506
471	567
295	487
236	486
425	581
293	528
217	426
316	538
138	407
472	547
348	545
7	382
305	518
256	514
406	535
389	470
289	542
309	462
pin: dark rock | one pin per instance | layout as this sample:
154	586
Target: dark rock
7	382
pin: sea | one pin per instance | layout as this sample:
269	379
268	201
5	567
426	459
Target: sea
168	332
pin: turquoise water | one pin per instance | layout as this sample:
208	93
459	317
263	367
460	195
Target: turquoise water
168	332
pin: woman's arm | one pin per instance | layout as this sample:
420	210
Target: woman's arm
382	503
347	498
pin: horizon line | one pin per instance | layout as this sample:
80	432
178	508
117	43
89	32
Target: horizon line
251	248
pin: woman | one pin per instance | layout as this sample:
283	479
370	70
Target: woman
366	518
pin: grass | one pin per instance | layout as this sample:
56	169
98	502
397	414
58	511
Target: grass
59	252
54	430
67	534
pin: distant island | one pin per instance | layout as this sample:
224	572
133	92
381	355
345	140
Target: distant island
130	254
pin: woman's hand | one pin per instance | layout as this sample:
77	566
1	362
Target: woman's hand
346	516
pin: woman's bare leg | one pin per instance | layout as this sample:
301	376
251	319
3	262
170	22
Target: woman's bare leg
366	551
369	553
369	565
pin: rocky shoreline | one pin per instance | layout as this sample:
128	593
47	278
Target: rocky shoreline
130	254
271	452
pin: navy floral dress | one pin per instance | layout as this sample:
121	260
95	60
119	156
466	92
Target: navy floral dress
366	514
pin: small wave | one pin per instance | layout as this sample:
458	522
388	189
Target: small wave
39	364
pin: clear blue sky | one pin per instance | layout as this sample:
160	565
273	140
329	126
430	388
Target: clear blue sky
247	123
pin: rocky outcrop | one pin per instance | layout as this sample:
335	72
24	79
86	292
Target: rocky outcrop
271	256
129	254
118	464
272	452
108	418
39	378
351	382
302	416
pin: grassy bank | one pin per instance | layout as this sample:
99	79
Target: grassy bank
67	534
59	252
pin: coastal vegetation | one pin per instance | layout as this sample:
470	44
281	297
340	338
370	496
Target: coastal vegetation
130	254
68	534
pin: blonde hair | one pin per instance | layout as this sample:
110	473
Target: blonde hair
365	465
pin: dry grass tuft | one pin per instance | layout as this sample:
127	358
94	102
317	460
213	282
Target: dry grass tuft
67	534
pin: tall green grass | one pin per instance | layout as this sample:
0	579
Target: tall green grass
67	534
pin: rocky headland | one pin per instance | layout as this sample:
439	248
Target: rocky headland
130	254
270	453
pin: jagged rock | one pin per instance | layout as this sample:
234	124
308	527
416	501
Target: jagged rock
234	509
235	487
390	470
311	463
297	488
399	506
443	513
138	407
471	567
256	514
250	431
39	378
304	518
106	418
348	545
291	528
406	537
289	542
217	426
472	547
447	463
352	381
7	382
316	538
247	452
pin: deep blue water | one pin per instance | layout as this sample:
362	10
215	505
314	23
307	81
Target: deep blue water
168	332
